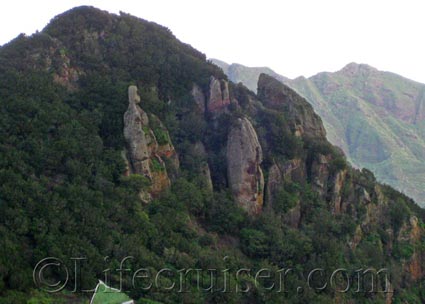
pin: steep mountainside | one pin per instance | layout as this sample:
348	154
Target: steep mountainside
376	117
123	146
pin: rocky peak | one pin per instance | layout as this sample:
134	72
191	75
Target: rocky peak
244	156
353	68
303	120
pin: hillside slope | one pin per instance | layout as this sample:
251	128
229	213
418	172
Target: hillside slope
125	147
376	117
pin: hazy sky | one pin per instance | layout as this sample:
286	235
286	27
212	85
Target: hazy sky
296	37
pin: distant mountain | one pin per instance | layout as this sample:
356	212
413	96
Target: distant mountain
124	146
247	75
376	117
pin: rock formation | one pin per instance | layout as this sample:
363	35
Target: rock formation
411	233
280	172
198	151
148	145
244	156
274	182
300	114
136	136
336	195
199	97
320	173
219	97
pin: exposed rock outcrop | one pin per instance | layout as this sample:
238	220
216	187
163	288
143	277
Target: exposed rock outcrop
412	233
303	120
136	136
148	145
277	176
199	97
244	156
198	151
278	173
219	97
336	195
67	75
320	173
274	182
53	57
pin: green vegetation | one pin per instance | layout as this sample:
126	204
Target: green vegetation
63	193
286	197
159	131
161	136
403	251
276	137
373	116
157	166
365	118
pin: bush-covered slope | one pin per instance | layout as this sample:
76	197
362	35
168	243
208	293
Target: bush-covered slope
64	191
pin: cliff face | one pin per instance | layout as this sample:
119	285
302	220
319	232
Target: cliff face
347	191
199	98
218	98
244	156
376	117
146	153
303	119
373	115
63	176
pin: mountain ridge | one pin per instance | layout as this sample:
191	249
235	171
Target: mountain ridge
390	106
99	110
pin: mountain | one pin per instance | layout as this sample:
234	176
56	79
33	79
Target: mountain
376	117
247	75
127	157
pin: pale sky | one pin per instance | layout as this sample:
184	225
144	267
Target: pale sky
296	37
